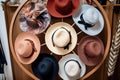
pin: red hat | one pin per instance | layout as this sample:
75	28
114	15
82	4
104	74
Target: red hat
62	8
90	50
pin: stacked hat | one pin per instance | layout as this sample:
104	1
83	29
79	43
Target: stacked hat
27	47
61	38
89	20
62	8
91	50
34	18
71	67
45	67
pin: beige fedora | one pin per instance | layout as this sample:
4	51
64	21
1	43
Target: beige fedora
71	67
27	47
61	38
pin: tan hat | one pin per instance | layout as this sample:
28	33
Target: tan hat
61	38
90	50
27	47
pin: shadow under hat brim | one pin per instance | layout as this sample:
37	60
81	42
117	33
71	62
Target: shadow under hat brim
36	41
80	49
63	61
55	13
96	29
39	59
52	29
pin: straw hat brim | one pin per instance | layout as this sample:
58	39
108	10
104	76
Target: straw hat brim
80	49
52	29
52	10
39	59
32	37
96	29
62	62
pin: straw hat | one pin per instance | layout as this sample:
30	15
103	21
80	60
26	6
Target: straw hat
27	47
45	67
34	18
62	8
71	67
89	20
90	50
61	38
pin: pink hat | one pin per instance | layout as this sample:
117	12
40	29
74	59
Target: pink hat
27	47
90	50
62	8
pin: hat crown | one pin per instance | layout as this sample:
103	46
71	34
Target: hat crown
45	67
72	68
64	6
24	48
91	16
93	49
61	37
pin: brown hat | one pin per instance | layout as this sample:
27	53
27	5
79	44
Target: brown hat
27	47
62	8
90	50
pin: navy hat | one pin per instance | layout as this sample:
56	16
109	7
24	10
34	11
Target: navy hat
45	67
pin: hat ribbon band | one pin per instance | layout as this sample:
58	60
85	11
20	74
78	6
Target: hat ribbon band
33	47
86	25
73	60
67	46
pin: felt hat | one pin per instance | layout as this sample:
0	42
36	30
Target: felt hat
71	67
62	8
45	67
91	50
34	18
61	38
89	19
27	47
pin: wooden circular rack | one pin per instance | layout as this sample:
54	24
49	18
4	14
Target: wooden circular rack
105	36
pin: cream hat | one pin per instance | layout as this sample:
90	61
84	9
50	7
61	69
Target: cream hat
71	67
61	38
89	20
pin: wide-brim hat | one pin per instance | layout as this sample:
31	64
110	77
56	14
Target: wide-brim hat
19	42
62	8
96	28
86	53
34	18
72	38
62	63
41	67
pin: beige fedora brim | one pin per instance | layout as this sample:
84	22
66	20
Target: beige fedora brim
90	61
62	62
32	37
96	29
52	29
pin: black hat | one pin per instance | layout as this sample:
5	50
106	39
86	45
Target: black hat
45	67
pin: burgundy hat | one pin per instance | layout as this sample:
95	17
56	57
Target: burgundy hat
90	50
62	8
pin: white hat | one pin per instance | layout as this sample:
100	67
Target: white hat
71	67
61	38
89	20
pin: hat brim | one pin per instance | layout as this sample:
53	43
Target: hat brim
62	62
39	59
80	49
26	28
32	37
96	29
55	13
52	29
